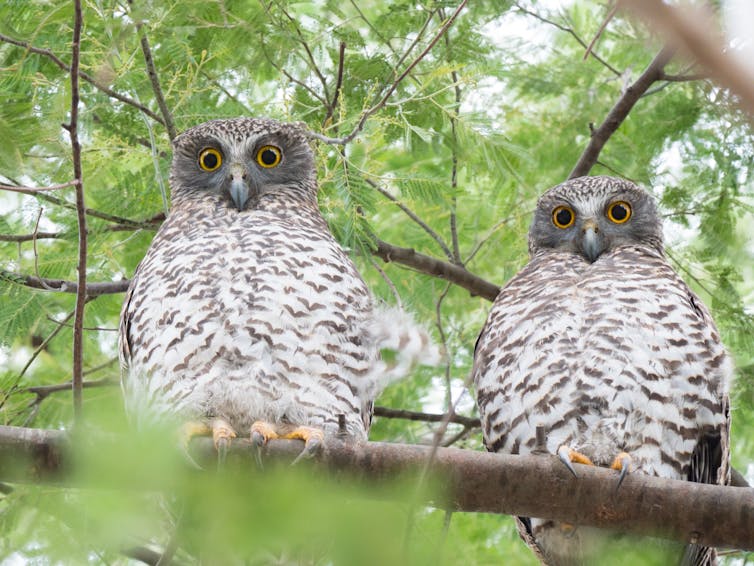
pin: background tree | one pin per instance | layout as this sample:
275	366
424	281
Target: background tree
438	125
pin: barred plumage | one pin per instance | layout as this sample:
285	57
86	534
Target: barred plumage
245	308
602	343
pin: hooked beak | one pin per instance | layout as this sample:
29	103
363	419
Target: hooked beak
592	242
239	186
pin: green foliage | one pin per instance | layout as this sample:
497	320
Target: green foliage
499	110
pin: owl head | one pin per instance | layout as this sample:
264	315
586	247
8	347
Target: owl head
592	215
241	161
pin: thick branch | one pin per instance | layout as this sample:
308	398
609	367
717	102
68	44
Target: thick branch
619	112
63	286
437	268
533	486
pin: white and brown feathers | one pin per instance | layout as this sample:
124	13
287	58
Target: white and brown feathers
245	308
602	343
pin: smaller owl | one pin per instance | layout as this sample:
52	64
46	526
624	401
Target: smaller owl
599	341
246	314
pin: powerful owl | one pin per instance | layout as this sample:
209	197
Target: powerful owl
600	342
246	315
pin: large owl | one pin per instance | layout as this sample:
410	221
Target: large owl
599	341
246	316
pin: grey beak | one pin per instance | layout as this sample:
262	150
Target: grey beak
239	186
592	243
239	192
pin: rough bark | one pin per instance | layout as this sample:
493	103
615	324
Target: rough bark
470	481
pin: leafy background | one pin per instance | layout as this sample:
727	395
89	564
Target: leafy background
497	111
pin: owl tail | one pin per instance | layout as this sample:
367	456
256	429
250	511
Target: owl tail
402	345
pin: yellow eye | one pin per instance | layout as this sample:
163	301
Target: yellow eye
619	212
563	217
268	156
210	159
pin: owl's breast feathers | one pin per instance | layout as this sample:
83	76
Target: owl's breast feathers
615	353
256	315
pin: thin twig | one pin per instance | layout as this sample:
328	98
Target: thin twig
601	30
44	391
572	33
88	78
338	85
388	413
387	281
30	237
63	286
413	216
370	111
72	127
619	112
34	246
167	117
88	328
32	190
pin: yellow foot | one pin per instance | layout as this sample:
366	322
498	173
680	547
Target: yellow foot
313	438
222	434
622	463
568	455
220	431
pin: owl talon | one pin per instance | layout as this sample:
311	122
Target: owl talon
622	463
566	454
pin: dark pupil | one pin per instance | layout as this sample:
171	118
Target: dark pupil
269	157
210	160
563	217
619	212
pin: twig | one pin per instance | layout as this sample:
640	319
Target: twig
412	215
34	244
338	85
88	328
454	159
44	391
72	127
167	117
437	268
388	282
62	286
32	190
388	413
619	112
601	30
367	113
572	33
88	78
30	237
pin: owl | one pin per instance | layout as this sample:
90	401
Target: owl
598	340
245	315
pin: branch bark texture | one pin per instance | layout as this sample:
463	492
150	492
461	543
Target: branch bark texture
470	481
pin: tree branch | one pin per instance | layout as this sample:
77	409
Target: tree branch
437	268
470	481
62	286
88	78
367	113
619	112
73	129
167	117
33	190
387	412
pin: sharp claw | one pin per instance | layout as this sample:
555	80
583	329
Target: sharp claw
565	457
257	442
312	448
622	462
222	452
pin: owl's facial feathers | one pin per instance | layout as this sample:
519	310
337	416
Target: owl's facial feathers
592	215
241	160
